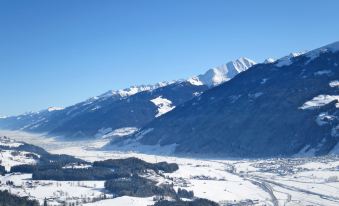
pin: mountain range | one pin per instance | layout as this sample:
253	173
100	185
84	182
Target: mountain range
287	107
283	107
122	110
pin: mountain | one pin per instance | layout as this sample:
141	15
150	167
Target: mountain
279	108
122	110
222	73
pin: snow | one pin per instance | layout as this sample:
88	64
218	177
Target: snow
276	181
322	72
122	93
121	132
164	105
53	190
311	55
51	109
142	133
76	166
269	61
124	200
222	73
19	136
328	48
288	60
195	81
221	186
324	118
95	108
212	77
320	101
133	90
4	141
109	133
134	146
263	81
197	93
10	158
226	190
334	83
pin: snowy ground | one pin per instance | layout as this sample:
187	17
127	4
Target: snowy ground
54	191
295	181
130	201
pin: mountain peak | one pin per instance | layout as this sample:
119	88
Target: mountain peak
212	77
131	90
287	60
333	47
222	73
269	61
51	109
214	122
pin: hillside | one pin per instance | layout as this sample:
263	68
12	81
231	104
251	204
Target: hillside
283	108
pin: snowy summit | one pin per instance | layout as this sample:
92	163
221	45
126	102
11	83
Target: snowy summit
222	73
51	109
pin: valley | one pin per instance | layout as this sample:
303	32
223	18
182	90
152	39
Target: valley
169	103
274	181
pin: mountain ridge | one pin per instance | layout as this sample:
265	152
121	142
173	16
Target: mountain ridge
116	109
259	108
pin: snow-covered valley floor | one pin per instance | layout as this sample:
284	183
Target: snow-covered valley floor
283	181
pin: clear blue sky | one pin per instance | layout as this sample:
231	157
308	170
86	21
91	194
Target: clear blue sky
59	52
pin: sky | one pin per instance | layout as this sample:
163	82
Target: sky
60	52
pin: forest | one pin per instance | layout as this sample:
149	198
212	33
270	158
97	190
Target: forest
7	199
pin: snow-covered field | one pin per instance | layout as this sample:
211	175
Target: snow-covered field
294	181
54	191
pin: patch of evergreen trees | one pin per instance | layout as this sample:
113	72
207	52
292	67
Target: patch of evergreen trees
137	186
196	202
101	170
91	173
182	193
2	170
134	165
7	199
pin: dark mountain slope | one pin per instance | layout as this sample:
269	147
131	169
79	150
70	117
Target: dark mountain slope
87	118
260	112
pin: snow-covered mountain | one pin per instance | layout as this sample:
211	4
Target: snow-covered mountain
121	93
126	108
278	108
222	73
51	109
269	60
